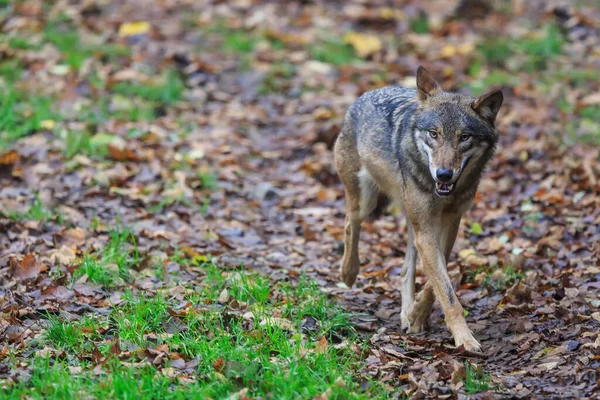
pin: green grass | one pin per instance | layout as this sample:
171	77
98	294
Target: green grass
496	78
208	179
277	79
22	114
476	379
240	42
166	91
64	334
500	281
22	43
333	51
139	316
37	211
242	330
77	142
62	34
533	51
11	70
420	24
111	265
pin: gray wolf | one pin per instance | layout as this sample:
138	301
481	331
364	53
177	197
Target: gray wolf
425	150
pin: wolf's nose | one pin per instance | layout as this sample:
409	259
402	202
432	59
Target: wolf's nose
444	175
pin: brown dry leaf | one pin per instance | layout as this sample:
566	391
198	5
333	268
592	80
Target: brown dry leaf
28	268
122	153
219	365
115	348
470	257
322	345
73	237
323	396
459	372
63	256
241	395
591	99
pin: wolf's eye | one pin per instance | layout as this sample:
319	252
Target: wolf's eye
433	134
465	137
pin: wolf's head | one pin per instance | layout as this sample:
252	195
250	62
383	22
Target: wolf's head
454	132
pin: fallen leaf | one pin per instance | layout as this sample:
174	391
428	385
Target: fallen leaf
321	346
365	45
28	268
278	322
73	237
134	28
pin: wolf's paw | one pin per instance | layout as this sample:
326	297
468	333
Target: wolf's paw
349	271
418	316
467	339
404	321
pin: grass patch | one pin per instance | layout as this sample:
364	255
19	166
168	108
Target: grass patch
37	211
496	278
476	379
420	24
165	91
277	80
496	78
11	70
139	316
208	179
238	329
113	264
77	142
240	41
22	114
533	51
22	43
333	51
63	35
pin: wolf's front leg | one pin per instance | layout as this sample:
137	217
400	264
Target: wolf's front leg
418	314
434	264
408	278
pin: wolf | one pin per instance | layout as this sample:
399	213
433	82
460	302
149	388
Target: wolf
424	150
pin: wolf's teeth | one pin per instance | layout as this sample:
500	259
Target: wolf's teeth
450	187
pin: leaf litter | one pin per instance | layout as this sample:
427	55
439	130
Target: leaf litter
201	133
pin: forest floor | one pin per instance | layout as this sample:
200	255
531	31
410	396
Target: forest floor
171	221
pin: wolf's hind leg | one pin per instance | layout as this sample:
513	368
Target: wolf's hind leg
361	200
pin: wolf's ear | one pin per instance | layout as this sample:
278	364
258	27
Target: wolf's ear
426	85
487	106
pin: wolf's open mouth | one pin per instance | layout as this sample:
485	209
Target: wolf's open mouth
443	189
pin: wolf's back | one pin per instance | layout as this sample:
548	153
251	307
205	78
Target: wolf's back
380	118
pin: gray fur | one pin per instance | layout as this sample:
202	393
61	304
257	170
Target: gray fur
384	121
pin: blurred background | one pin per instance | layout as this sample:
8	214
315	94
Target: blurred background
138	139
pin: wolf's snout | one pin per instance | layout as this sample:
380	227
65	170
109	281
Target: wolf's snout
444	175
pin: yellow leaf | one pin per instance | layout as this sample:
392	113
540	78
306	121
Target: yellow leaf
134	28
466	48
448	51
365	45
391	13
47	124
